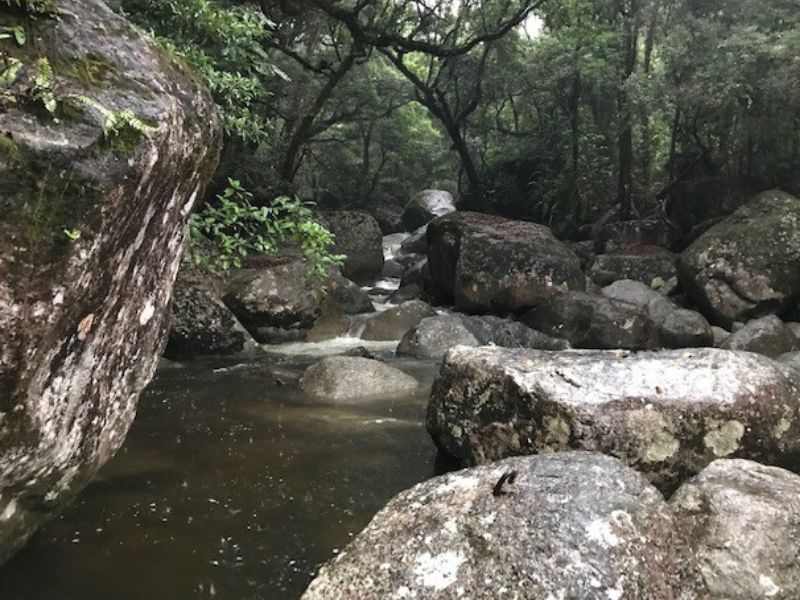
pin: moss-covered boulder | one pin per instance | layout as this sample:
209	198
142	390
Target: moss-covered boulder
667	414
747	266
92	226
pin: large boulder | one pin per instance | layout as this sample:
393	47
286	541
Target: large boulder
92	227
667	414
393	323
589	321
345	378
425	206
676	327
638	263
484	263
201	325
742	520
359	237
574	525
275	304
748	265
768	336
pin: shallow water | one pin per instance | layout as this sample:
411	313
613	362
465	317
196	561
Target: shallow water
228	486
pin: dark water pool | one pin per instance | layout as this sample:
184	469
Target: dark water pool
228	487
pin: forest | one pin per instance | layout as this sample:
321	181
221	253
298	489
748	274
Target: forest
564	113
386	299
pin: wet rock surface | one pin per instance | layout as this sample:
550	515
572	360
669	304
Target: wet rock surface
349	296
748	265
343	378
573	525
742	520
667	414
484	263
434	336
84	320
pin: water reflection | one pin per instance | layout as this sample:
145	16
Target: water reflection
229	486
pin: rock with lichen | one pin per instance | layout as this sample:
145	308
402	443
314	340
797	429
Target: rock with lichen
99	170
667	414
742	520
747	266
572	525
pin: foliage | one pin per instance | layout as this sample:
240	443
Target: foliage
227	231
43	7
122	129
224	46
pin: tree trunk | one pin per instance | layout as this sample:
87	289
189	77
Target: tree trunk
302	133
628	10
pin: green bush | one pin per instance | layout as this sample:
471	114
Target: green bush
225	232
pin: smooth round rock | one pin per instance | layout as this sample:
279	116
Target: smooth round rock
342	378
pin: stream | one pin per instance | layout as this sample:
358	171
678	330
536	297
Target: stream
230	485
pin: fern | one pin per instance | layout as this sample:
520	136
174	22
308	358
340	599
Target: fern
116	124
43	84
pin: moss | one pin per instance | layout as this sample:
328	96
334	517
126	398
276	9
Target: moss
43	200
9	149
89	70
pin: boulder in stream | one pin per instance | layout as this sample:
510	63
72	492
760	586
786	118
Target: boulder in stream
349	296
92	229
747	266
484	263
742	520
276	304
344	378
393	323
359	237
667	414
572	525
201	325
434	336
